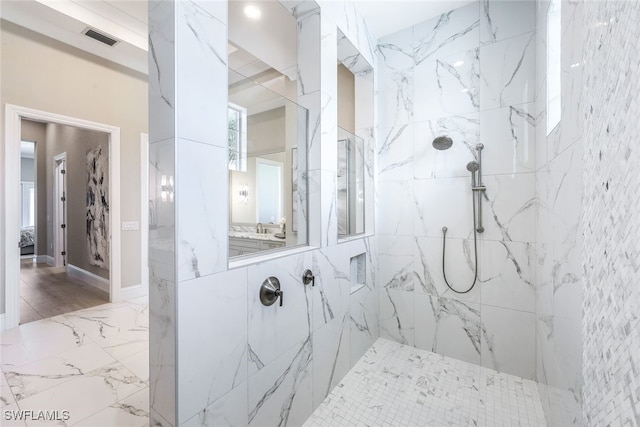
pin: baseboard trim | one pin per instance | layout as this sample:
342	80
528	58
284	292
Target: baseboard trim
92	279
2	324
131	292
44	259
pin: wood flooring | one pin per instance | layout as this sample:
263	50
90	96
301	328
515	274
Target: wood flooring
47	291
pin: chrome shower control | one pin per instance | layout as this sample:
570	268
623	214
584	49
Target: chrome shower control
270	291
308	277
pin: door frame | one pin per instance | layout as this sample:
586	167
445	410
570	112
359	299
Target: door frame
59	234
13	119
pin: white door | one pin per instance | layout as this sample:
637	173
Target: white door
60	211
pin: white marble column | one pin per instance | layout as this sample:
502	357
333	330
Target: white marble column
188	152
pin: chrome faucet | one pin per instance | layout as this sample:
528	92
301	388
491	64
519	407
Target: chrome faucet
259	228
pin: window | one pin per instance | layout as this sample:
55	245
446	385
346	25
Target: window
28	204
554	65
237	138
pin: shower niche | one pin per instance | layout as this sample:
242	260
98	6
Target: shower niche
355	139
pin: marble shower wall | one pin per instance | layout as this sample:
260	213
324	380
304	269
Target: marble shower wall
470	74
218	356
610	221
559	165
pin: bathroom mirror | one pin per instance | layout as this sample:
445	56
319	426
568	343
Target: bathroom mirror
267	133
355	121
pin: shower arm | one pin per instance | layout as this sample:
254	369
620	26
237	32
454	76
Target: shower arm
479	188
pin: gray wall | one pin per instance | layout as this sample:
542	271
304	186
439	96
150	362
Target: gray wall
75	142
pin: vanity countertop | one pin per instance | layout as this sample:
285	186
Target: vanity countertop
255	236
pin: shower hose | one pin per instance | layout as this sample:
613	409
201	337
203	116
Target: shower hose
475	250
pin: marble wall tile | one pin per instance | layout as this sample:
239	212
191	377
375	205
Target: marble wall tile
315	105
500	20
508	341
397	272
508	72
229	410
454	31
281	394
431	163
452	210
448	327
273	330
161	70
507	275
395	215
331	356
397	315
395	153
447	85
309	54
329	209
459	264
509	138
201	185
509	207
312	217
201	63
206	373
329	49
395	96
364	321
329	133
331	269
162	223
162	349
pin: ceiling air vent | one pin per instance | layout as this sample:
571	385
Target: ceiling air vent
102	38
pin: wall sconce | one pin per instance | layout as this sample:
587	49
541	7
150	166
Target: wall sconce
244	193
166	188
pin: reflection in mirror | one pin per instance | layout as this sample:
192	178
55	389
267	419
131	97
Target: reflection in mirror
355	118
350	184
267	132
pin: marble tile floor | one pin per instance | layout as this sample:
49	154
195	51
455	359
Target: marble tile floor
47	291
93	363
398	385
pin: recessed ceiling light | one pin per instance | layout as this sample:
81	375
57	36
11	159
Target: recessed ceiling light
458	63
252	12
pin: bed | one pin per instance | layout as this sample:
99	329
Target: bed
27	240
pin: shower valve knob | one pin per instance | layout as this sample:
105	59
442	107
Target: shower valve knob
270	291
308	277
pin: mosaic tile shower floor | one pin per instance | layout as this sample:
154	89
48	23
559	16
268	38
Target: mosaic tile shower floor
398	385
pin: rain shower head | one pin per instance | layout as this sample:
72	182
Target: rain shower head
473	166
442	143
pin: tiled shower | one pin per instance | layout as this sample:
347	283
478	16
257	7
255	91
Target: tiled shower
477	74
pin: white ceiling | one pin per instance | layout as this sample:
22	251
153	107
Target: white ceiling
126	21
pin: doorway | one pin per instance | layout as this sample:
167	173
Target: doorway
14	117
